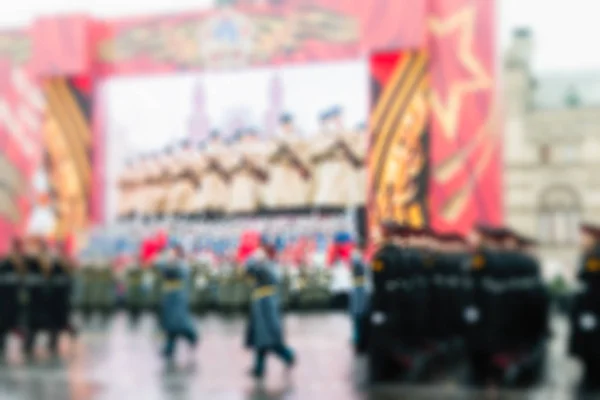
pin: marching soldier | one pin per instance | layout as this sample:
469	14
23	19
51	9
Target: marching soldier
63	287
359	301
175	314
523	307
12	273
265	333
480	314
395	322
41	306
380	340
585	317
451	276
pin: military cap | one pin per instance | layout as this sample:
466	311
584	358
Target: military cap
388	227
422	232
404	231
450	237
335	111
484	230
503	233
526	242
17	243
324	116
250	131
286	118
590	229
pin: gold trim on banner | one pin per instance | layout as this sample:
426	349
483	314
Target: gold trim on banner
72	106
71	132
397	158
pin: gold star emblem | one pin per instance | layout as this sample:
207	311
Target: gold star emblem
462	22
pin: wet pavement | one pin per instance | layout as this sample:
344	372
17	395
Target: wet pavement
115	360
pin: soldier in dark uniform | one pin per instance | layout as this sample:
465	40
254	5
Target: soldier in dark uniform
175	316
12	273
480	313
585	316
41	305
397	309
359	301
385	260
62	281
453	255
523	308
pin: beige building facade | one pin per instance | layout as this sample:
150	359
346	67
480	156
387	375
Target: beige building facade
551	154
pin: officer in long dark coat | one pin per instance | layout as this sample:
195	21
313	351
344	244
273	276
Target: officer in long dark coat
265	334
175	313
41	305
13	269
585	316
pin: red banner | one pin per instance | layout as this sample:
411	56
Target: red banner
466	142
21	105
293	32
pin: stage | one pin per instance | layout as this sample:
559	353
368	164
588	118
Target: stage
114	359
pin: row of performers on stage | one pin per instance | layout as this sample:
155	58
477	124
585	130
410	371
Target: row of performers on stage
251	176
35	288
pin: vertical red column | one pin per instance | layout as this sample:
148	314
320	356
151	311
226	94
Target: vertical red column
21	107
465	150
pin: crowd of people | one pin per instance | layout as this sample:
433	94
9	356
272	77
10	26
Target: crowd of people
422	299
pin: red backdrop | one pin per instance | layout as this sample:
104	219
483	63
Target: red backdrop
465	151
458	36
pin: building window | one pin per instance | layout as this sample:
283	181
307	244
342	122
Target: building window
545	154
559	216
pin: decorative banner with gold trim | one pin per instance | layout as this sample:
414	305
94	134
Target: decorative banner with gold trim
67	144
466	175
231	37
399	150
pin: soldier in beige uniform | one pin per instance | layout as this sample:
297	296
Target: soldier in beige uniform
213	169
249	175
154	185
181	199
337	173
290	171
125	192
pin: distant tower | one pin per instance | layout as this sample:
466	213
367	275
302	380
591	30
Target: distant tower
275	106
199	123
